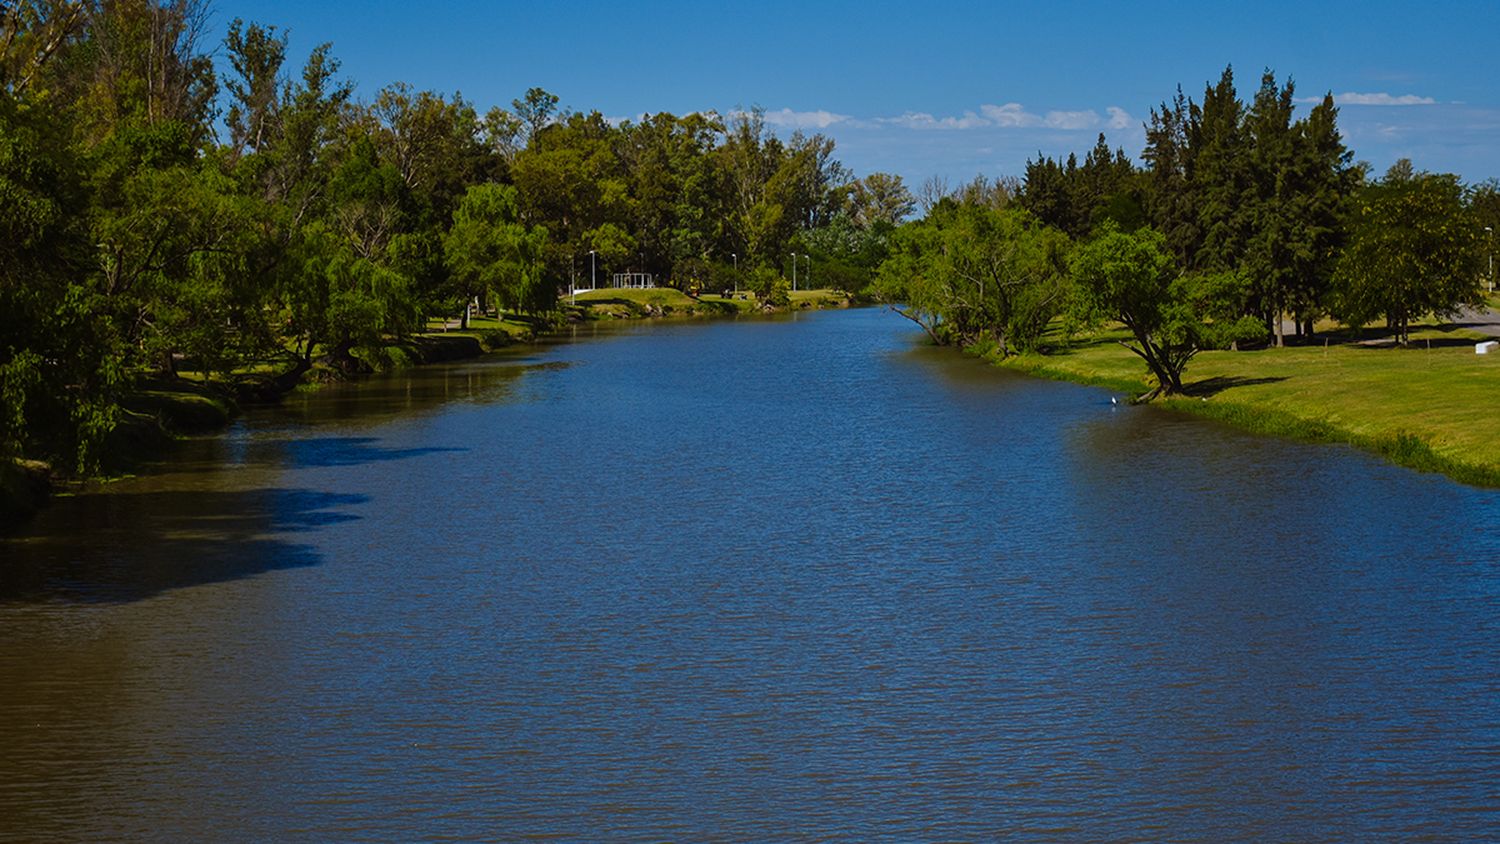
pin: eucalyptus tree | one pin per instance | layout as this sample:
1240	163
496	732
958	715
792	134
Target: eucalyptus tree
880	198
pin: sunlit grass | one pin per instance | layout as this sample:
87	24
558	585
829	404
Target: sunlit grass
1436	396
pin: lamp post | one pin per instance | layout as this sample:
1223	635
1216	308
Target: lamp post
809	272
736	258
1491	231
794	272
593	283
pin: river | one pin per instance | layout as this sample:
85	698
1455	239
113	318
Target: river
754	580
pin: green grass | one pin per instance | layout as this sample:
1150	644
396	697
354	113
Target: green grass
820	298
518	328
625	303
1432	406
182	405
641	296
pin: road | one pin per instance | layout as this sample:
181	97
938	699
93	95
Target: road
1483	320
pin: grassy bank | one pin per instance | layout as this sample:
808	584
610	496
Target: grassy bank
629	303
1430	407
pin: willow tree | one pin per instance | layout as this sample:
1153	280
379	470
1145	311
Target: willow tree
489	250
971	272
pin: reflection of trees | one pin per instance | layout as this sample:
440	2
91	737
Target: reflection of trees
373	401
121	546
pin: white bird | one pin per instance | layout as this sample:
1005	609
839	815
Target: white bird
1113	400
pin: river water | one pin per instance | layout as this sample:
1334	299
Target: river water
750	581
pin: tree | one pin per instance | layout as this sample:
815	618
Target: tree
535	111
880	198
31	33
1076	198
59	362
1131	278
934	189
971	272
256	54
489	250
1413	248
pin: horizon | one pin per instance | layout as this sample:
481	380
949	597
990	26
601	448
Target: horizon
894	100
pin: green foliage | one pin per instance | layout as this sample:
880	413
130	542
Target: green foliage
1237	188
1076	198
880	199
1131	278
488	250
133	244
1414	248
771	288
972	270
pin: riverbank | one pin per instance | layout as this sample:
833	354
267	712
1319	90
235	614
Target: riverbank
1430	407
164	410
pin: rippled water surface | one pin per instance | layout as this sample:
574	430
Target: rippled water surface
751	581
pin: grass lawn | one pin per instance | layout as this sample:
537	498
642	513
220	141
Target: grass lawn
640	296
1433	406
510	324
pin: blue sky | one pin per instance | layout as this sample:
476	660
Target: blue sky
950	89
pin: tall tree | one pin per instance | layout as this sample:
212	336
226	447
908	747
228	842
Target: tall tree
489	250
256	55
880	198
1413	248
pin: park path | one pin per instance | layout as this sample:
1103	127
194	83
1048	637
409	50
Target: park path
1483	320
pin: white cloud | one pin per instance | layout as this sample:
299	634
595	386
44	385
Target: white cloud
1072	120
786	118
924	120
635	118
1379	98
1119	118
1007	116
1010	114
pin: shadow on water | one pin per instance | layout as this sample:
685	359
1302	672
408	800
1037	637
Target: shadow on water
129	546
370	402
351	451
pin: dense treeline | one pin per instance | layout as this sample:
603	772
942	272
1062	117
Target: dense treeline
249	221
1242	219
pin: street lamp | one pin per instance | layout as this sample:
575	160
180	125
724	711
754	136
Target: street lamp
593	282
1491	230
736	258
794	272
809	272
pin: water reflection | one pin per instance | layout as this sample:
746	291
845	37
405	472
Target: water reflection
129	545
752	581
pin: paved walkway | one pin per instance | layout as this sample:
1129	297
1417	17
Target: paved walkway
1484	320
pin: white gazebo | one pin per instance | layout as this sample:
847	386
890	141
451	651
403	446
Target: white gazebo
637	280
